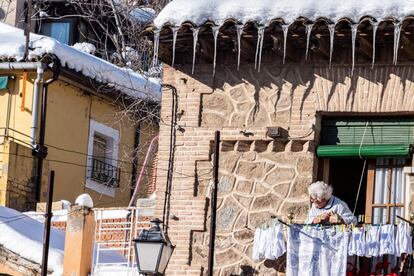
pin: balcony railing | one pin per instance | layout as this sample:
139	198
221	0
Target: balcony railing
105	173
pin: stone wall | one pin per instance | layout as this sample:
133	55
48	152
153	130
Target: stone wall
17	188
259	176
14	265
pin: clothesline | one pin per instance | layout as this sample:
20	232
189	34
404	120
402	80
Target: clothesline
346	226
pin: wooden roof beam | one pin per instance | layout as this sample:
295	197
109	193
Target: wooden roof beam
365	47
320	46
407	46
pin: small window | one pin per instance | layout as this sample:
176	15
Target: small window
99	147
102	174
61	31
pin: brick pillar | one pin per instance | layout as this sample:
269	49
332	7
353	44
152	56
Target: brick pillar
80	231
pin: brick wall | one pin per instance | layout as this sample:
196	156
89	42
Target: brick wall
259	176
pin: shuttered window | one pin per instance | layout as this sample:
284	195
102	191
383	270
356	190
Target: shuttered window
3	82
374	137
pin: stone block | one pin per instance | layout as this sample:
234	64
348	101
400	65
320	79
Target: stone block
228	161
258	218
225	185
238	93
282	189
300	186
251	169
223	242
243	200
267	202
279	175
227	257
244	236
226	215
244	186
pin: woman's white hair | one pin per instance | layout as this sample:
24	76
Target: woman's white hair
320	190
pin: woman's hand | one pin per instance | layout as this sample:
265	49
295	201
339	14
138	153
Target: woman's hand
322	218
334	218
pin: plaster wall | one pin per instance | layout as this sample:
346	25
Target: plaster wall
69	112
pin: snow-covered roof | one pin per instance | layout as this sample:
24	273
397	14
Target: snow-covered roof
12	44
264	11
23	235
143	14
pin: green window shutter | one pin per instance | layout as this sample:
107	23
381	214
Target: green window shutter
378	137
370	151
3	82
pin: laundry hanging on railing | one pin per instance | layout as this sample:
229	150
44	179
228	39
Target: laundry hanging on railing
269	242
323	250
312	251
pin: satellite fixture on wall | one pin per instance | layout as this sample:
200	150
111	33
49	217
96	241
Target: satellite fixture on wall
276	132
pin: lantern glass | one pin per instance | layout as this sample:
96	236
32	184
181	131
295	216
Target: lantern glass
165	257
147	254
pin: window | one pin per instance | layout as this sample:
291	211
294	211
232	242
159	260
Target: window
59	30
364	159
102	174
386	192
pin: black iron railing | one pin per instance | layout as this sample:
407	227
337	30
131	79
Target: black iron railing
105	173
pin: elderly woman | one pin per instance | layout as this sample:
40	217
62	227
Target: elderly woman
326	208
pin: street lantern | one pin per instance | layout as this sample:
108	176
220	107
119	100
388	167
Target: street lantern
152	250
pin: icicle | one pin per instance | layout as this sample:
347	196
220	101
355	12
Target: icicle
354	29
331	28
397	33
374	36
261	50
175	32
259	47
156	47
215	30
195	39
239	29
308	35
285	29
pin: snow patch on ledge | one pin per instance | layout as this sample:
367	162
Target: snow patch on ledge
84	200
264	11
135	85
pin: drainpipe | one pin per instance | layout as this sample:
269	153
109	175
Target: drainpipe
35	104
40	150
211	245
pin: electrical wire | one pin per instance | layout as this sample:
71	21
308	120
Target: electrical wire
181	175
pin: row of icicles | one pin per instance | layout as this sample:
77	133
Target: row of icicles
285	28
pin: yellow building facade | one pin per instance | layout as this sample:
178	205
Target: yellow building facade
90	143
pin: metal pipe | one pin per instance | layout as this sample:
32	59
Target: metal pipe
170	171
143	167
214	203
21	65
35	104
48	218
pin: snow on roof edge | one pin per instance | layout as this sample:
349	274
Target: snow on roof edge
264	12
130	83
